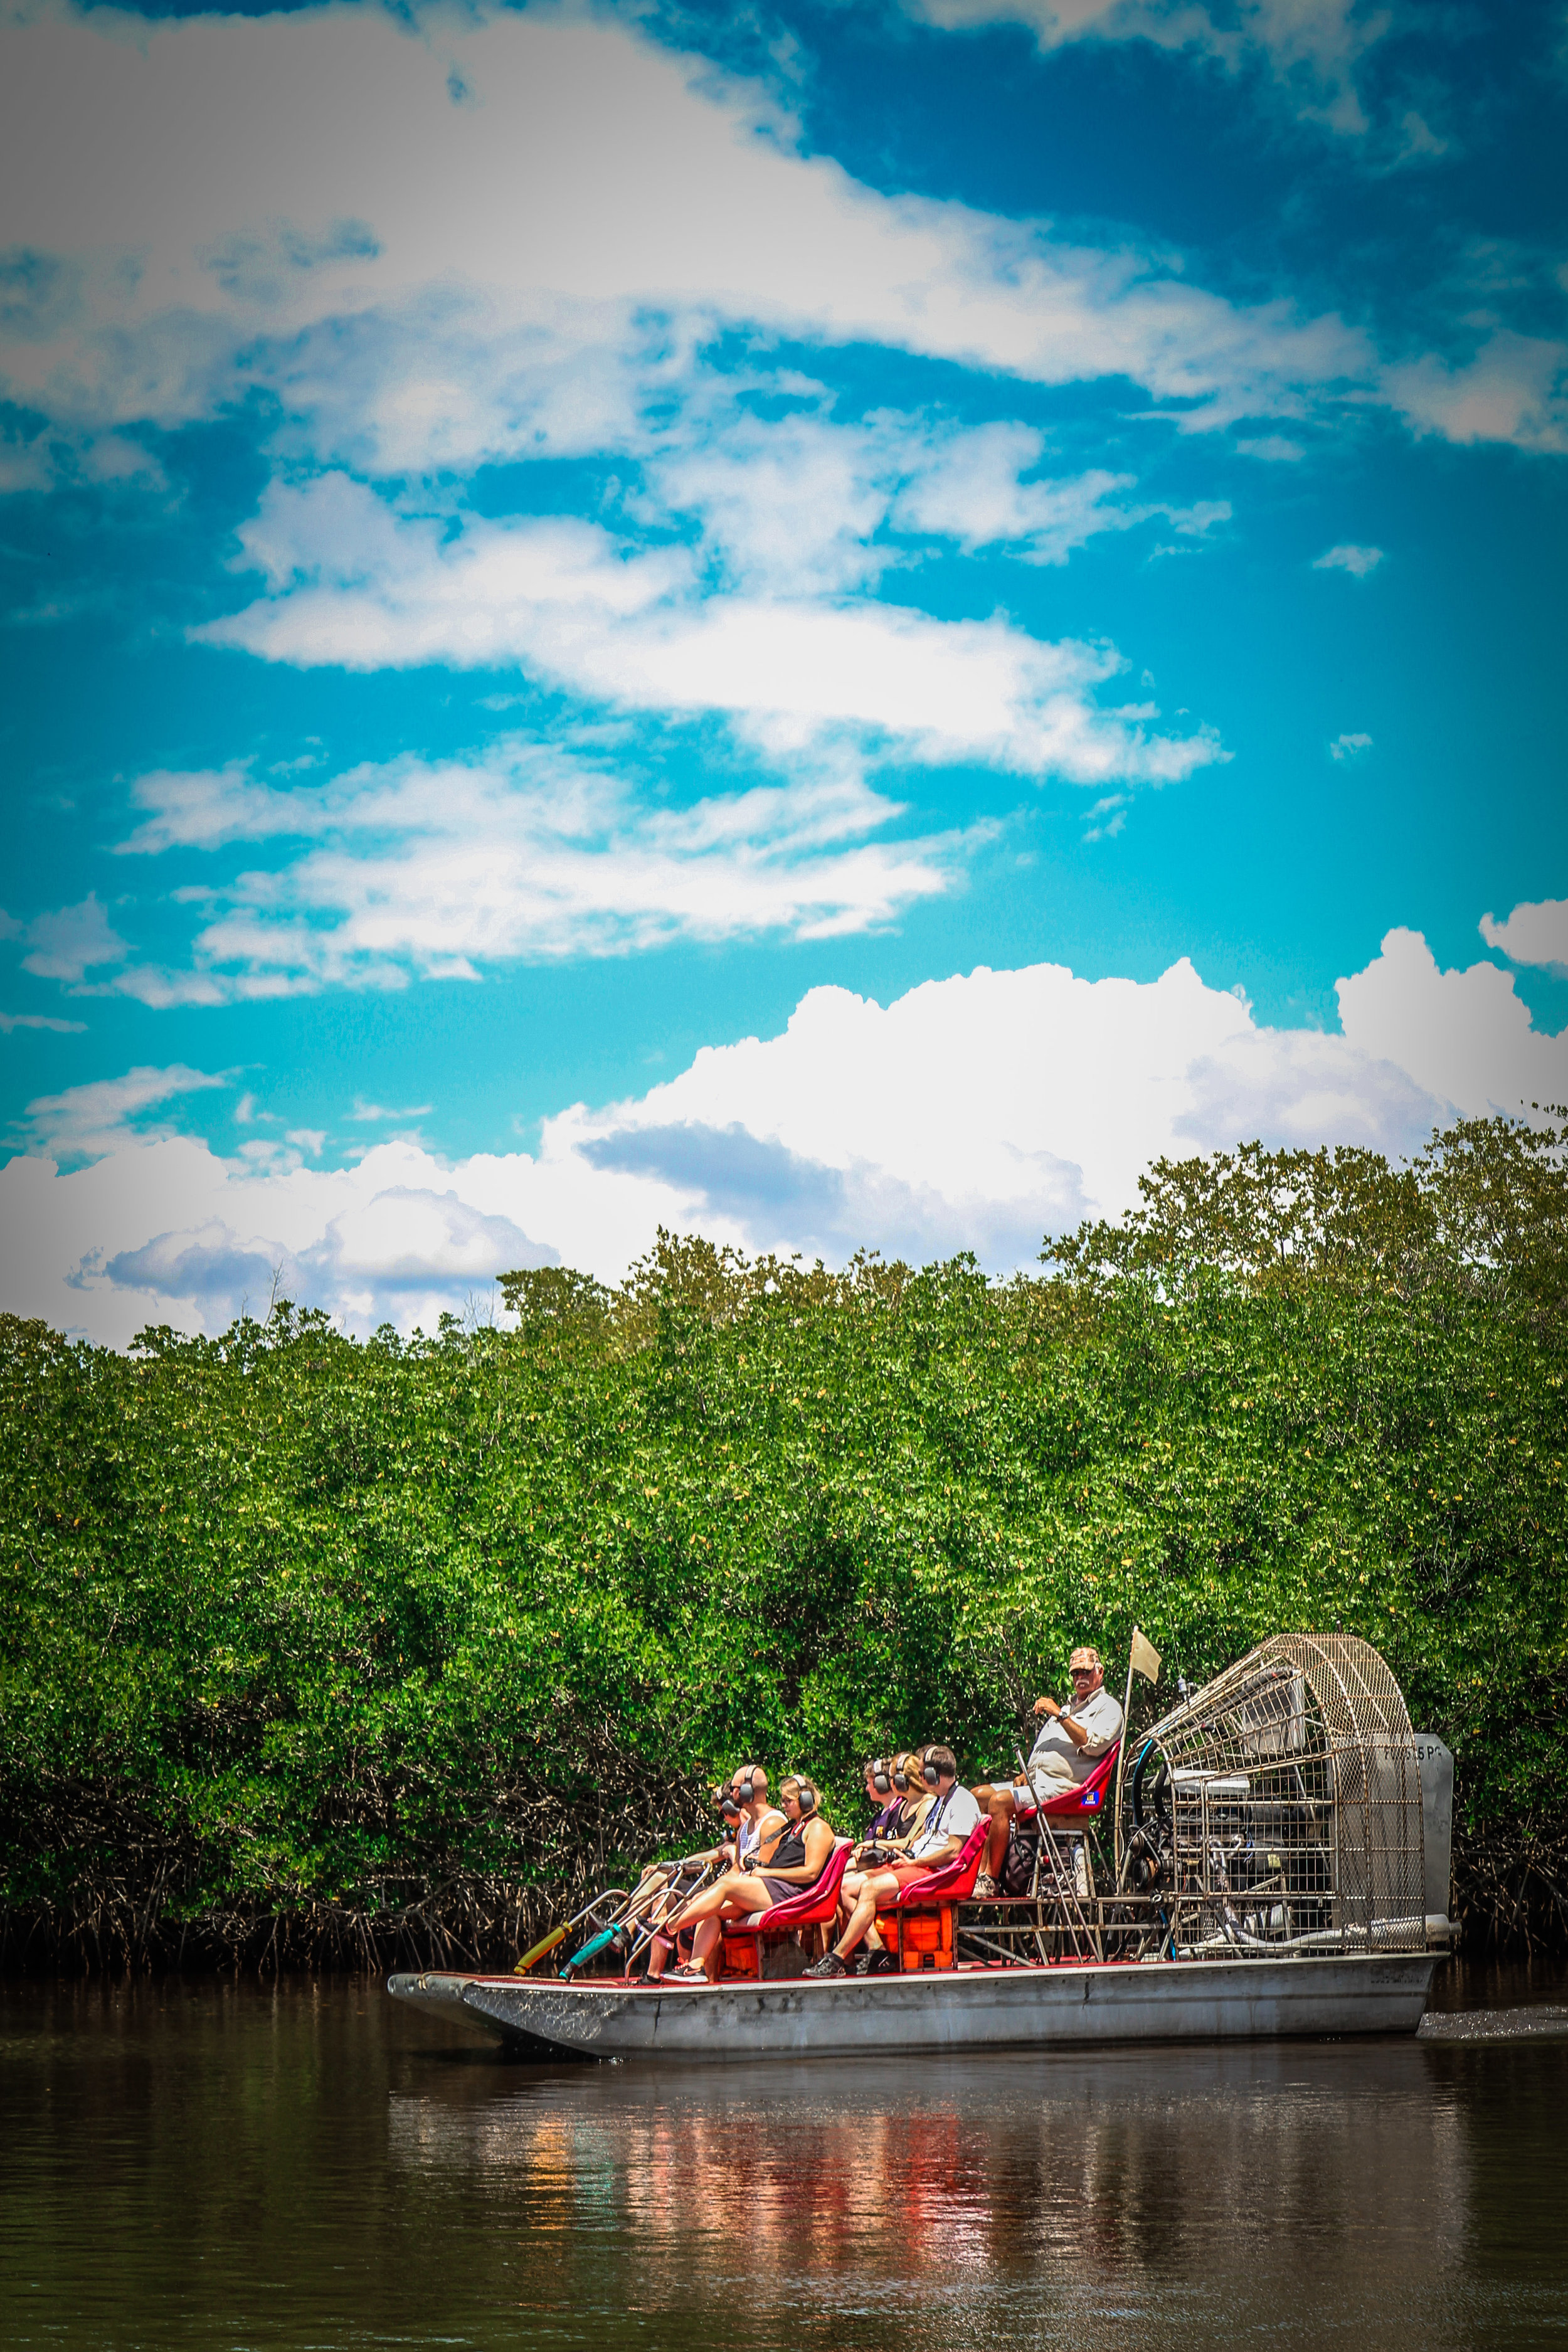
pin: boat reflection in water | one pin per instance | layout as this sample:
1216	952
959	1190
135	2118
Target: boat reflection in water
309	2164
946	2198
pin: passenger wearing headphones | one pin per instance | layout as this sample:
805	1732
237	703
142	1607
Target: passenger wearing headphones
890	1834
915	1799
881	1797
954	1813
794	1864
758	1826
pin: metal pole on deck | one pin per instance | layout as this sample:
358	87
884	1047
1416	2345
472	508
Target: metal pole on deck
1142	1658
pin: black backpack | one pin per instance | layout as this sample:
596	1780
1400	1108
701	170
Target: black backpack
1018	1869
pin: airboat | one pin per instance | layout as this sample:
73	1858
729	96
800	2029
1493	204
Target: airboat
1270	1860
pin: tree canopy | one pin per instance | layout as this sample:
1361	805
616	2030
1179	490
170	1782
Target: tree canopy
310	1645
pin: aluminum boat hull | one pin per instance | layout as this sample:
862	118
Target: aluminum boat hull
1067	2006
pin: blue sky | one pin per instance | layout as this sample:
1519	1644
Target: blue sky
833	625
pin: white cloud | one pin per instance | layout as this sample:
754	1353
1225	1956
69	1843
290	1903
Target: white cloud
791	673
68	944
971	489
787	506
439	869
378	1113
1312	47
1514	388
24	462
94	1118
1467	1037
794	503
1349	746
10	1021
368	588
1272	450
977	1112
293	203
1533	934
204	808
1357	561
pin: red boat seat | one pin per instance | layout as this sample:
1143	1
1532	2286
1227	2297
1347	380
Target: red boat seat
743	1939
954	1882
920	1929
1090	1796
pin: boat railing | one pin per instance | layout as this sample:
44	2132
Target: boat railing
1029	1930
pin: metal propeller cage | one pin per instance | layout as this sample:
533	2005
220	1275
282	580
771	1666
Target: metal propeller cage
1279	1808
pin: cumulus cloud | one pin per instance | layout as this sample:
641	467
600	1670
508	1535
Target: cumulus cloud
406	1254
1349	746
1467	1037
991	1104
160	1228
1357	561
978	1112
1533	934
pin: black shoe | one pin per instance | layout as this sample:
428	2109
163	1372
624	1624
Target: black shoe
883	1964
830	1965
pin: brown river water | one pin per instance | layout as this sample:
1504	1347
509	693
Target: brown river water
309	2164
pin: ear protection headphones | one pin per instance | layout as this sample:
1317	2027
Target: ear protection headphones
880	1780
745	1790
929	1775
805	1798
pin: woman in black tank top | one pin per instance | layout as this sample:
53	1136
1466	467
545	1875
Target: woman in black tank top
792	1868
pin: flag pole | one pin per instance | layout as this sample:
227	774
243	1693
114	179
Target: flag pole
1120	1760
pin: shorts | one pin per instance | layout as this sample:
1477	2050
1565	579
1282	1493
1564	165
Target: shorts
785	1890
1045	1785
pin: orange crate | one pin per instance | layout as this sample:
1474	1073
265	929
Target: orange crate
740	1956
925	1938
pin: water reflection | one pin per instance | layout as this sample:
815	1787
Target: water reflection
316	2167
1218	2171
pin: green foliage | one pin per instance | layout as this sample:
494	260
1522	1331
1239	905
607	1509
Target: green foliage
399	1642
1483	1210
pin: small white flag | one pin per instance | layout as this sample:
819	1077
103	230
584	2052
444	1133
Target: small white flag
1146	1657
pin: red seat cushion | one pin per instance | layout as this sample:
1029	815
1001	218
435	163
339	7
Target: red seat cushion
954	1882
1090	1796
806	1909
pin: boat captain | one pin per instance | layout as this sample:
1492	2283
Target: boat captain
1069	1744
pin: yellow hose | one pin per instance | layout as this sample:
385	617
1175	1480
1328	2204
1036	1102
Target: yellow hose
547	1944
